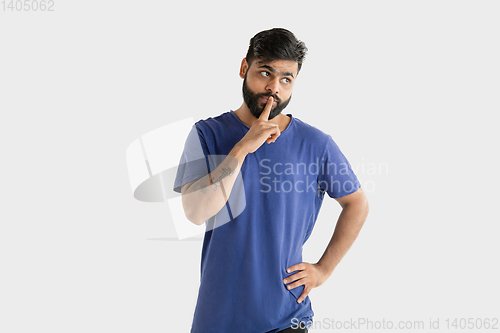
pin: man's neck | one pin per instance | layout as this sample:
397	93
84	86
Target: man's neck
247	118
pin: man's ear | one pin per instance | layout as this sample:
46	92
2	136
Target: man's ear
243	68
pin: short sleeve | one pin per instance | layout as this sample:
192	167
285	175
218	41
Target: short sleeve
336	176
193	163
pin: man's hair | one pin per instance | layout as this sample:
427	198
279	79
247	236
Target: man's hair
276	44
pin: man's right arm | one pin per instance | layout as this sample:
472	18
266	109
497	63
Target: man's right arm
205	197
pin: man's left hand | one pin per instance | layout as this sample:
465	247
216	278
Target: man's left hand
309	275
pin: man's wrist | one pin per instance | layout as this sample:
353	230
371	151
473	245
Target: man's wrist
238	152
325	268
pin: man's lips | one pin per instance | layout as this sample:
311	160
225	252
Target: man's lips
264	99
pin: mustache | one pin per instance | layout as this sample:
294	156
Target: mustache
276	98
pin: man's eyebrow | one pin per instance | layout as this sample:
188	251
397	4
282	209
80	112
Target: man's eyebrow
272	70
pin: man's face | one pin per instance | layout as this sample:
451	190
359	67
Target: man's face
265	79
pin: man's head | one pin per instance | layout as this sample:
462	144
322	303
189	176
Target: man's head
272	63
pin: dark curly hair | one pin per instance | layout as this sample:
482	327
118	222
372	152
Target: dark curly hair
276	44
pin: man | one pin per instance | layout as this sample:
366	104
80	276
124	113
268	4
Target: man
266	173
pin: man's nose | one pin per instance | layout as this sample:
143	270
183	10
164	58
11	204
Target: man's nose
273	86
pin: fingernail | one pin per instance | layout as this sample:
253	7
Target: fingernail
284	281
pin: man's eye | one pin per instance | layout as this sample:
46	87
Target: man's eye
287	80
264	73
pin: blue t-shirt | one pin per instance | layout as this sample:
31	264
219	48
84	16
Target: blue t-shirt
244	259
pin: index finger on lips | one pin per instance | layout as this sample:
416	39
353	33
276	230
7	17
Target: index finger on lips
267	109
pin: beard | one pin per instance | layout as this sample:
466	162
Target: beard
252	101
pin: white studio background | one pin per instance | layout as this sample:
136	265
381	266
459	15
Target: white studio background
408	89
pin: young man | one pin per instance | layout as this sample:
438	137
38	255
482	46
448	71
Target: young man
259	188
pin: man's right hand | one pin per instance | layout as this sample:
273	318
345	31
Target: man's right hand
262	130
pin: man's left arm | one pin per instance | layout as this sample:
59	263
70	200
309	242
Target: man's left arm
354	212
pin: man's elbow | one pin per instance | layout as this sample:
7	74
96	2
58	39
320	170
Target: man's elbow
193	217
192	214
